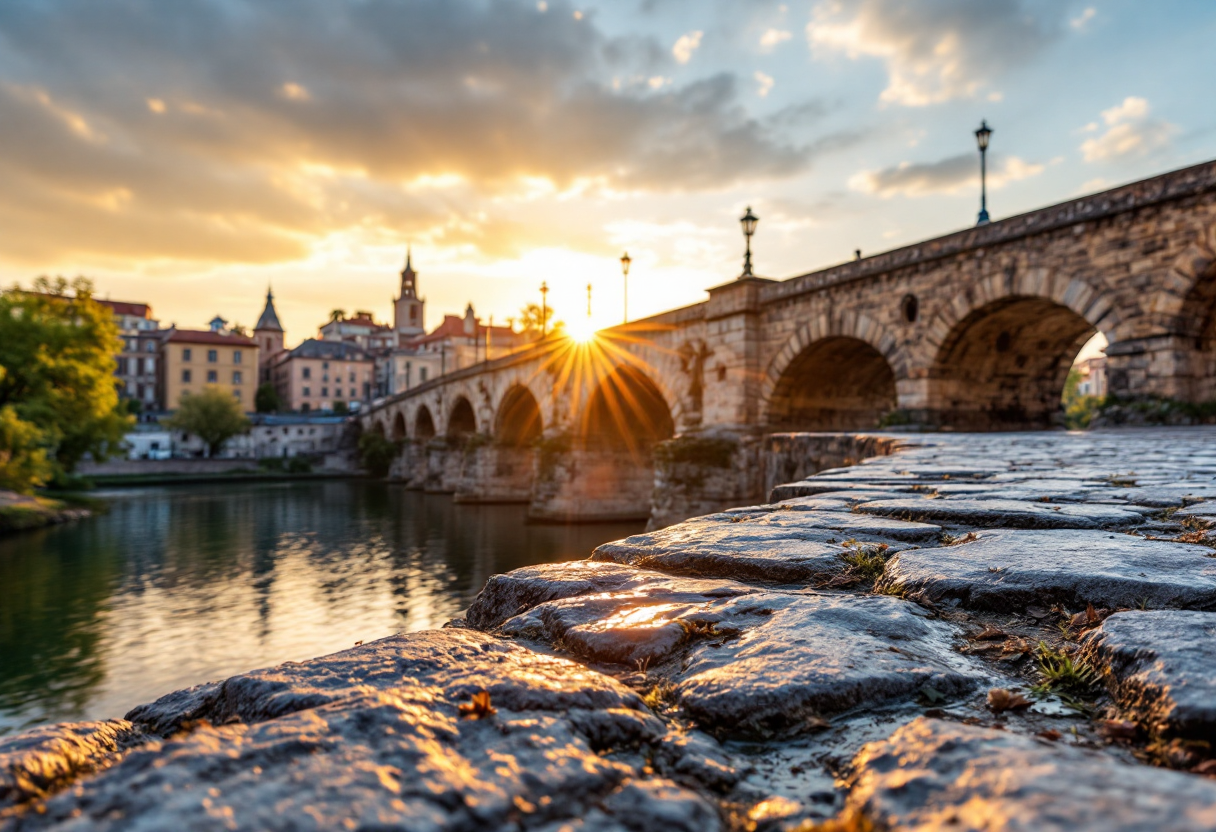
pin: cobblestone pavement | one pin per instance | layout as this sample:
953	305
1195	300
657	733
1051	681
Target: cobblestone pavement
979	632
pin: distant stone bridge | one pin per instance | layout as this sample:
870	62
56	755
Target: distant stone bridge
972	331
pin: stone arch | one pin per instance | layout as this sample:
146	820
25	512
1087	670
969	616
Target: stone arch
378	427
627	410
462	420
835	383
1003	365
424	424
1082	298
400	434
838	332
519	421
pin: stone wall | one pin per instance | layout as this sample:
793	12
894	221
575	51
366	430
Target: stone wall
579	485
150	467
787	457
494	474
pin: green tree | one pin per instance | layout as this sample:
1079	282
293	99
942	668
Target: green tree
213	415
57	387
337	315
267	400
341	407
377	453
533	319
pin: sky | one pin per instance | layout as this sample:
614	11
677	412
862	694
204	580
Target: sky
190	154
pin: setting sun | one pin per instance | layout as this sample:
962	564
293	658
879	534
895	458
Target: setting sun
582	330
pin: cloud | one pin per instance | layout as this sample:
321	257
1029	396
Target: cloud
1082	20
243	130
773	38
945	176
764	84
935	50
685	46
1130	133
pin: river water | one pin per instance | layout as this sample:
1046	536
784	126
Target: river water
181	585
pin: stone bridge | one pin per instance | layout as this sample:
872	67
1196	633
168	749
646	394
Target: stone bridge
975	330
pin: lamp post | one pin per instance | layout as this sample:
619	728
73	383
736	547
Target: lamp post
588	301
981	138
625	261
544	310
748	221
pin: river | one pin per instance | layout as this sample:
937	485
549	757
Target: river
179	585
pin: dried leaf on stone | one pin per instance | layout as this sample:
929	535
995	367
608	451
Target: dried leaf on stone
1207	768
1120	729
989	633
1050	734
1001	700
479	708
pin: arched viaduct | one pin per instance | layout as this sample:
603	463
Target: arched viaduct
975	330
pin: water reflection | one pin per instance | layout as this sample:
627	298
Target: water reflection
176	586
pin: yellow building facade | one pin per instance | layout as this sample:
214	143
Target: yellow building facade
194	359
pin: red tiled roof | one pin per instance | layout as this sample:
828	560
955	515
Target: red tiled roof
206	336
122	307
453	327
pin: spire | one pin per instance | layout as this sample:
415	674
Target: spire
270	318
409	277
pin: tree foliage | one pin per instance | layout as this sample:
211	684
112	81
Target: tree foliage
376	452
267	399
533	319
213	415
58	400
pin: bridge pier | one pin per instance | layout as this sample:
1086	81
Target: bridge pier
493	473
576	484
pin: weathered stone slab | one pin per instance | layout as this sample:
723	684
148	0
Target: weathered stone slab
1009	514
41	760
1162	669
455	661
1008	570
376	738
760	661
936	775
733	547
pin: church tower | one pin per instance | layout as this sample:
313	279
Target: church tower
408	307
269	337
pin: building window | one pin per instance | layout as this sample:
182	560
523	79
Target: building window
186	354
324	392
352	392
236	393
236	376
150	346
324	365
236	356
149	365
186	376
139	391
307	391
121	368
306	373
212	376
305	408
213	356
352	375
422	374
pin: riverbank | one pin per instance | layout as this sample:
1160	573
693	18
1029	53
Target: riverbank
21	512
977	631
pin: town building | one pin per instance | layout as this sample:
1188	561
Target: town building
136	362
453	345
191	360
268	334
1093	376
323	375
290	434
362	331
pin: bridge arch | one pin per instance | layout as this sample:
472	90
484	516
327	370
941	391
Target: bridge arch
836	383
519	421
424	424
400	434
462	420
627	411
1003	365
836	372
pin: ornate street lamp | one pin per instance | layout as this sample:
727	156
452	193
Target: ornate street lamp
544	310
625	261
981	138
748	221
